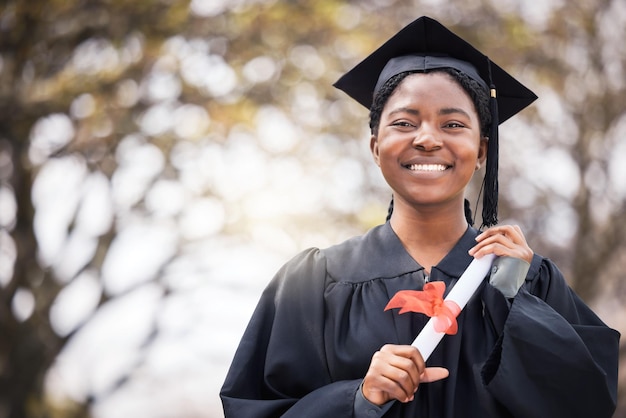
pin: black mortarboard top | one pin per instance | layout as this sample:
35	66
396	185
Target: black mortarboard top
427	37
426	44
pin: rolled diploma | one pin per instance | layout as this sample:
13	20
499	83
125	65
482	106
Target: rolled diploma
462	291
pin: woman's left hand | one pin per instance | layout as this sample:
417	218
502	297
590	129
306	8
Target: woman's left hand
502	240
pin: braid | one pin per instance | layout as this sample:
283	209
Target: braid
389	210
468	213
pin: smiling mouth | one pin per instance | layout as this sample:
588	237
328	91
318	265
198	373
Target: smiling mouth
427	167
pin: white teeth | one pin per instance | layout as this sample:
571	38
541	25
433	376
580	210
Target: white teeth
427	167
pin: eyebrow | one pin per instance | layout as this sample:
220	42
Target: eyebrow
444	111
452	110
404	110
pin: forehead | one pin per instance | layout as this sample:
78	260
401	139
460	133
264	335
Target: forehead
432	88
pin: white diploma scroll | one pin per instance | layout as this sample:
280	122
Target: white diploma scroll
472	277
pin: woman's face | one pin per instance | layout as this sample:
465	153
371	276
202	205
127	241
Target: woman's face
428	144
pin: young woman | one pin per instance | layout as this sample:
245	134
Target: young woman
321	344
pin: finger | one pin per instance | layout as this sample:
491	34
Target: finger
405	384
379	389
495	244
432	374
498	249
498	240
520	235
407	352
508	236
512	232
387	387
395	370
503	240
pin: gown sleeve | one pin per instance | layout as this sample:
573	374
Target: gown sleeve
280	366
555	357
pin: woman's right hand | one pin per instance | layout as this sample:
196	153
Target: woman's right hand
396	372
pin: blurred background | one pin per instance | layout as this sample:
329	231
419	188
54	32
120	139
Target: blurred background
161	159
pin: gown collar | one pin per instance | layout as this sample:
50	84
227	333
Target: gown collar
454	263
380	254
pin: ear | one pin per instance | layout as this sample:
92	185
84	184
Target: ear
374	149
482	152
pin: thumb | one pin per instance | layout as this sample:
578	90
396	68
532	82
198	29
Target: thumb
432	374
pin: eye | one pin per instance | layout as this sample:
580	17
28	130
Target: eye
402	124
454	125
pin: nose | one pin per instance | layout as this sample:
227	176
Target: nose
426	139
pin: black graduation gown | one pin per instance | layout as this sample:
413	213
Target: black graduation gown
311	338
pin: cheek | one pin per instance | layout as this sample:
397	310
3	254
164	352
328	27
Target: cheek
383	158
387	156
468	159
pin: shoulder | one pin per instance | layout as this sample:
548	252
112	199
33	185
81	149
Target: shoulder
378	254
303	270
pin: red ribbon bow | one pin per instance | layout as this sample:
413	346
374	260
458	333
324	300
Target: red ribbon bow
429	302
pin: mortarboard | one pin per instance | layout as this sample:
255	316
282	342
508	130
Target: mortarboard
426	44
428	37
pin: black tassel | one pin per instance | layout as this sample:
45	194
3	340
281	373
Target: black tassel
490	183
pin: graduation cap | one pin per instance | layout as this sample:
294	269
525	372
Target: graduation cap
424	45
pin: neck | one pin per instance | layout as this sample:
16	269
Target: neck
428	235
